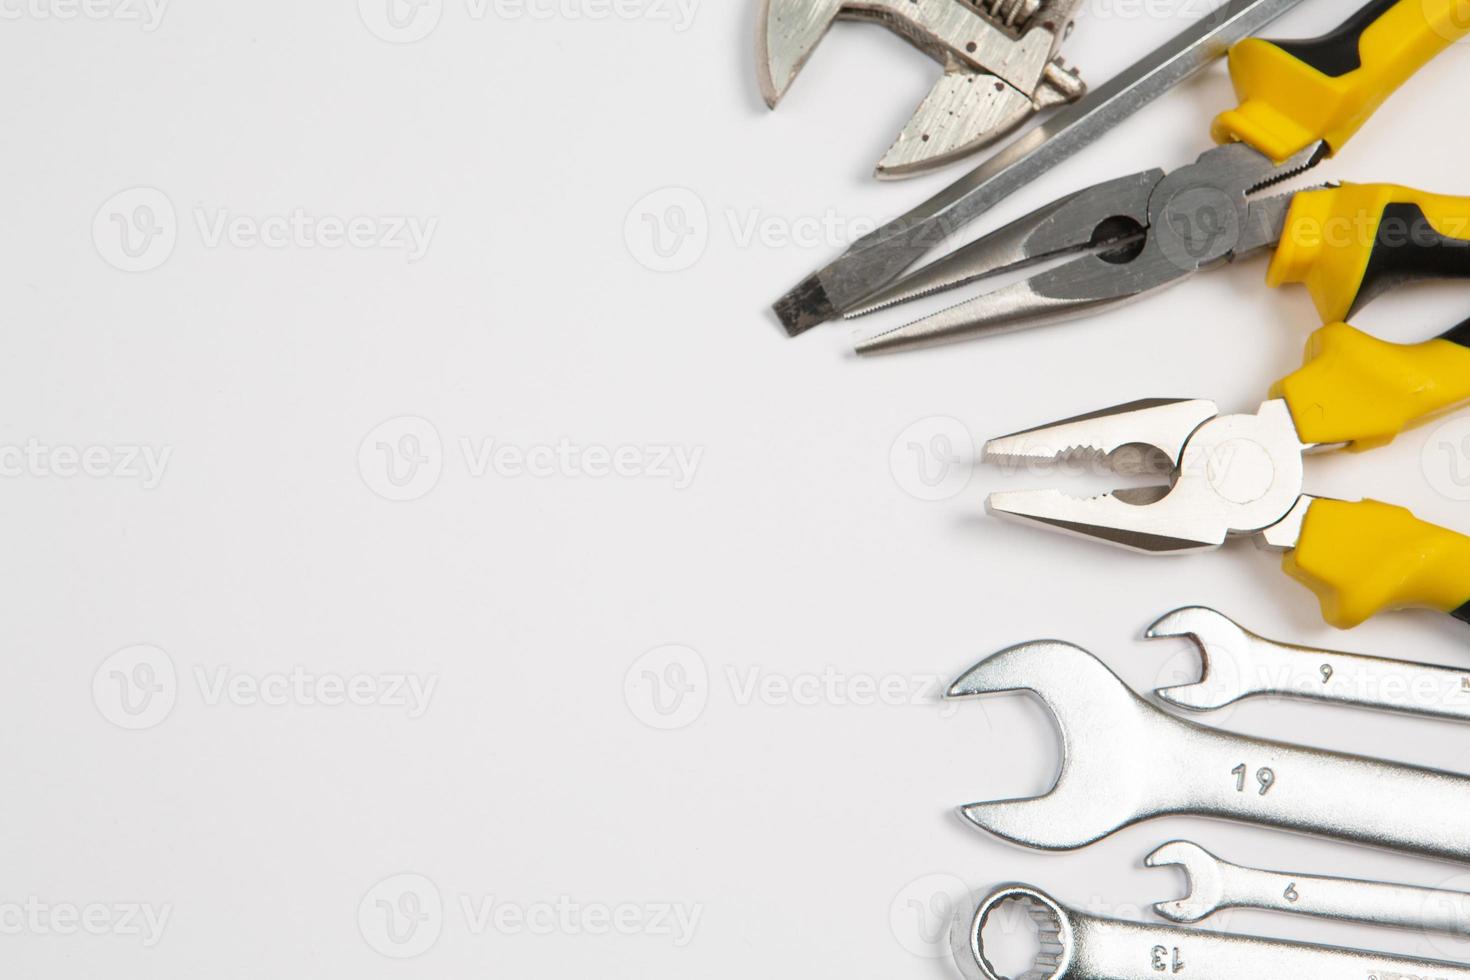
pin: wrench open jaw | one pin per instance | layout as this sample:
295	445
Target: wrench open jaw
1234	662
1204	876
1124	761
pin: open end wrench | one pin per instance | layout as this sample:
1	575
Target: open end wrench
1215	884
1239	664
1076	946
1125	761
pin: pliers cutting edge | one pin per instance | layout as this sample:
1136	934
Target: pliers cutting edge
1301	102
1232	475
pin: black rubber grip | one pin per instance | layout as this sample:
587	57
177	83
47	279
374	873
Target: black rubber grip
1338	53
1407	248
1463	613
1458	335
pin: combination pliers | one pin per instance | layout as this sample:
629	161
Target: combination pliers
1230	475
1301	102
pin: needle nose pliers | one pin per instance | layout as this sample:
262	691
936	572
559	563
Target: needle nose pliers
1232	475
1300	103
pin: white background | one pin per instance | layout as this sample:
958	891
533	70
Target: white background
809	838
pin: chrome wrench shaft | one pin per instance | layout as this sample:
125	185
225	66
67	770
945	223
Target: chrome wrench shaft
1215	884
1077	946
1125	761
1239	664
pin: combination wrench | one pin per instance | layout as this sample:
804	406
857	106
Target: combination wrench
1124	761
1073	945
1239	664
1215	884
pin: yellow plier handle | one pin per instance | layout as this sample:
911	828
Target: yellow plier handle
1365	557
1294	93
1351	243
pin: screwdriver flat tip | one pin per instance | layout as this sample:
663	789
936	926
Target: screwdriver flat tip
805	306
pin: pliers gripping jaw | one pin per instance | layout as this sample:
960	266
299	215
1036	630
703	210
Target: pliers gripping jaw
1122	239
1227	474
1244	475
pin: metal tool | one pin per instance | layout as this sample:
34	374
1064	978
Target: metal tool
1239	664
1124	761
1215	884
1238	475
878	258
1073	945
999	57
1128	237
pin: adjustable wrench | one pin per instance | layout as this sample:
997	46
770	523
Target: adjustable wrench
1125	761
1239	664
1077	946
1215	884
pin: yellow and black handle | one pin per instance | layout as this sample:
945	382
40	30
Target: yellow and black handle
1295	93
1365	557
1352	243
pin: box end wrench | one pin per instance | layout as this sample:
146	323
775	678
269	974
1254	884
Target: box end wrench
1074	945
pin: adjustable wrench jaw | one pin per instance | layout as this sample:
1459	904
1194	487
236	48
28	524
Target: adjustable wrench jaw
999	59
1232	475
